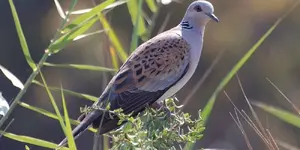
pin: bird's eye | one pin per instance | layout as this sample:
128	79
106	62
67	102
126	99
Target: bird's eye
198	8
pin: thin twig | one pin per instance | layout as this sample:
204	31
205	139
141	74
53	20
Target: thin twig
248	120
12	120
251	109
272	139
254	127
240	126
293	105
242	129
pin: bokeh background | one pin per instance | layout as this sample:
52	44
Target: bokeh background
242	23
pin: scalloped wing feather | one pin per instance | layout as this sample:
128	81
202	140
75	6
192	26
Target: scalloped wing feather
155	65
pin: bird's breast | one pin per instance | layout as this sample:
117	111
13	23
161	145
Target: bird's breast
195	53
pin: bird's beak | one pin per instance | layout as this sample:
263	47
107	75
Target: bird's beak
213	17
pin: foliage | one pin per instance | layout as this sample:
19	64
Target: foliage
156	129
153	129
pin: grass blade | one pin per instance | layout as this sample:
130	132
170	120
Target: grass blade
60	10
188	146
283	115
114	58
87	35
111	6
151	4
49	114
76	94
106	143
81	67
60	119
60	43
14	80
87	16
69	134
138	21
113	38
115	4
208	107
32	76
78	26
39	110
27	148
21	36
81	11
286	145
31	140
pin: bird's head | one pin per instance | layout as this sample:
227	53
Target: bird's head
201	12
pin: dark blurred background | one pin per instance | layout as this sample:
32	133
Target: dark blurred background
242	23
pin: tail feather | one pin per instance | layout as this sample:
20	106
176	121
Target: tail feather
84	124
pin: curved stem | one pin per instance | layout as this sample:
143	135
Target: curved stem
23	91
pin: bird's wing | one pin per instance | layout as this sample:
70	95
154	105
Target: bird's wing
149	72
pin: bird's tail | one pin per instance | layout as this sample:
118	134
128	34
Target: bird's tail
84	124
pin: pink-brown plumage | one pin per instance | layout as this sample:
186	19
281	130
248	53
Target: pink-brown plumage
157	62
155	71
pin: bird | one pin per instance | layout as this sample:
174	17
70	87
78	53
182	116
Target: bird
155	71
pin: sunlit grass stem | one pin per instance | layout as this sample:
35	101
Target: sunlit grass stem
23	91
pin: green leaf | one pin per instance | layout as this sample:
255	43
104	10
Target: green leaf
87	16
136	18
283	115
77	27
81	67
208	107
27	148
115	4
111	6
88	34
60	10
38	110
21	36
68	133
114	58
113	38
151	4
60	43
14	80
189	146
136	29
106	143
60	119
31	140
49	114
76	94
